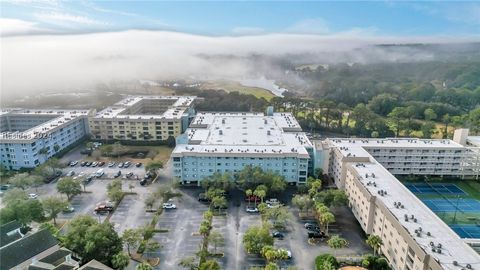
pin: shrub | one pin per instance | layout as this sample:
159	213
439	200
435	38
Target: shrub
325	258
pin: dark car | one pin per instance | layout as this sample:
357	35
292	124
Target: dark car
103	209
138	164
202	197
88	179
312	227
316	235
101	163
143	182
277	234
117	174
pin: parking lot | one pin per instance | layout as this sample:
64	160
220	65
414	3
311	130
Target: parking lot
138	172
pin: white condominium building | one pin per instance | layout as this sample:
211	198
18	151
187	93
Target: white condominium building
30	136
413	236
144	118
227	142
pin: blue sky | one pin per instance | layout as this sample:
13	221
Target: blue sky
245	18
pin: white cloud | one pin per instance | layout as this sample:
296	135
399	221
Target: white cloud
67	19
31	64
247	30
13	27
309	26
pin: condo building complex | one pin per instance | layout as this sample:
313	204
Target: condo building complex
413	236
29	137
227	142
143	118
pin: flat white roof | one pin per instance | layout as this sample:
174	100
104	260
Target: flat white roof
474	140
176	110
245	133
62	117
453	247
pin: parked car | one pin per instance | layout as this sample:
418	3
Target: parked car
120	165
277	234
272	201
169	206
89	178
71	173
73	163
103	208
117	174
130	174
316	234
80	175
99	173
251	209
143	182
101	163
5	187
94	164
252	198
68	209
83	163
202	197
111	164
138	164
32	196
88	164
127	164
310	226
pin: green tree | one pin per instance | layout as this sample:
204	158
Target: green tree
150	201
261	192
375	242
397	115
255	238
188	263
53	206
21	180
303	202
430	114
325	219
427	129
154	165
132	238
219	202
325	259
49	226
144	266
19	207
91	240
120	261
336	242
216	239
69	187
209	265
271	266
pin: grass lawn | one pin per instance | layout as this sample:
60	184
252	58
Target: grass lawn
230	86
162	153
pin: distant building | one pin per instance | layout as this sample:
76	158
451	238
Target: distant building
144	118
36	251
414	237
29	137
227	142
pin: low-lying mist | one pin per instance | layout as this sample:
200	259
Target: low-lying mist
44	63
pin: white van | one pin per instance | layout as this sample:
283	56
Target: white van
99	173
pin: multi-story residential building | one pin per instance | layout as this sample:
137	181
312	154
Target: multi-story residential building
227	142
143	118
414	237
29	137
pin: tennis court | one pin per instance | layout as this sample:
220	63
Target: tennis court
444	205
444	189
466	231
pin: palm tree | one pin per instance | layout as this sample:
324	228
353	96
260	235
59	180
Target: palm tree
248	193
336	242
375	242
261	193
144	266
325	219
120	261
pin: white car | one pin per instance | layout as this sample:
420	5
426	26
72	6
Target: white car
111	164
289	253
272	201
32	196
73	163
250	209
71	173
169	206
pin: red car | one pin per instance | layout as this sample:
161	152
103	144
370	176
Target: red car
252	198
